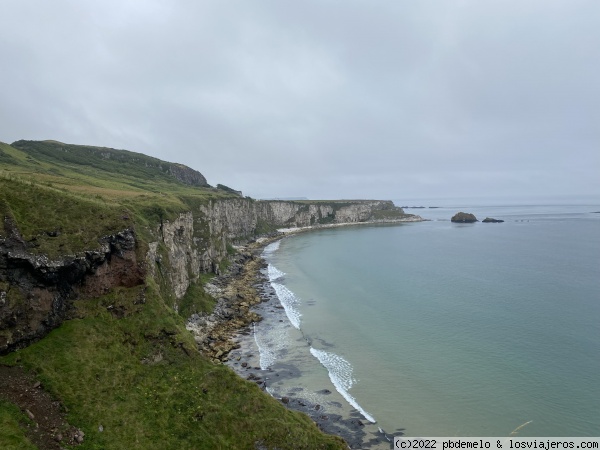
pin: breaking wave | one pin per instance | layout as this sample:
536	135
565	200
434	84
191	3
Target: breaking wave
270	343
340	374
271	248
340	370
274	273
289	302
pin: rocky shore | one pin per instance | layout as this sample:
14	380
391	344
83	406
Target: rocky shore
245	296
236	293
285	382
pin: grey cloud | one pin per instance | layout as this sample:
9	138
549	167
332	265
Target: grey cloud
319	98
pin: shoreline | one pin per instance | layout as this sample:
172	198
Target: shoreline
412	218
236	293
245	297
284	381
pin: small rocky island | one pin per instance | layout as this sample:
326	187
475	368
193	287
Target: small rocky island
463	217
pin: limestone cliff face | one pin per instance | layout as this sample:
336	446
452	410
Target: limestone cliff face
291	214
186	247
243	217
196	242
183	258
229	218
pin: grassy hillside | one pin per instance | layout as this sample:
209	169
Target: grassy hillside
124	368
81	193
134	169
140	378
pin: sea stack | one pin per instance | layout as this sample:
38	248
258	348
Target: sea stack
462	217
491	220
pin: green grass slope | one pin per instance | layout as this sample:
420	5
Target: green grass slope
83	192
135	169
126	361
140	378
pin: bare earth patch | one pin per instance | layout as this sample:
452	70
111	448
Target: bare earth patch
50	428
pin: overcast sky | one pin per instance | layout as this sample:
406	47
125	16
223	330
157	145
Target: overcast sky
392	99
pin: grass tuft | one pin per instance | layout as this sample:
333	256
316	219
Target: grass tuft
12	423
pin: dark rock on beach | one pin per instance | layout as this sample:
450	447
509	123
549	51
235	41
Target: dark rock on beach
491	220
462	217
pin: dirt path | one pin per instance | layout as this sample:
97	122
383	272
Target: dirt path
49	428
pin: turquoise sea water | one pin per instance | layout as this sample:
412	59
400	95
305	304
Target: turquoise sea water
445	329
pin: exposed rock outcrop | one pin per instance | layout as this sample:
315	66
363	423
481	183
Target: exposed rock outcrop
462	217
187	175
236	295
491	220
36	292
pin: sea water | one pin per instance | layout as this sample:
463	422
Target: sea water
443	329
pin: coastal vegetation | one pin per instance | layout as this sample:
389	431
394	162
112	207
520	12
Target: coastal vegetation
140	380
121	364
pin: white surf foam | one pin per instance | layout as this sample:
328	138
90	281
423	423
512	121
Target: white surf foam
271	342
271	248
289	301
267	355
274	273
340	374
